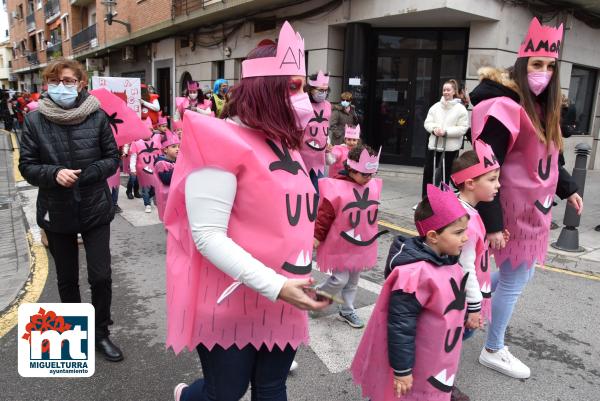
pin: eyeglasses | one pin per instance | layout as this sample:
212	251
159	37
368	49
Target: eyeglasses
65	81
365	175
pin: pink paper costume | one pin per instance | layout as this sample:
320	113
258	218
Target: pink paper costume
161	190
183	103
341	151
441	293
272	218
147	153
314	141
528	182
351	243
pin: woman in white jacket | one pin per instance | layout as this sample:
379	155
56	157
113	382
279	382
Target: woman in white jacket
447	120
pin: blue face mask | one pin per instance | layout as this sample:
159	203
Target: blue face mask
345	103
62	95
224	90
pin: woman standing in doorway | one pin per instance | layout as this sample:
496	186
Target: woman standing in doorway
517	112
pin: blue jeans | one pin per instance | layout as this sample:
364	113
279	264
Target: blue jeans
115	195
507	285
228	372
147	194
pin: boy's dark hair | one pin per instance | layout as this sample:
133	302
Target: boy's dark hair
354	154
466	160
424	211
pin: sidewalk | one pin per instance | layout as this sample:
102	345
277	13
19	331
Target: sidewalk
401	191
14	248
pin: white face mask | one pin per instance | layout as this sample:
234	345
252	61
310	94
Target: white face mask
193	96
62	95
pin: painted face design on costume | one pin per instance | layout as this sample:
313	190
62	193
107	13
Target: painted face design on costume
361	210
315	135
546	205
442	382
295	204
486	287
149	155
114	121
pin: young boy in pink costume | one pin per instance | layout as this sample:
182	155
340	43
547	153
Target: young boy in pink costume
411	347
346	227
143	155
163	170
337	155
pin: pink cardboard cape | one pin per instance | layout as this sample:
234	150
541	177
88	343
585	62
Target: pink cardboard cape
441	292
147	153
314	141
161	190
126	125
351	243
272	219
528	181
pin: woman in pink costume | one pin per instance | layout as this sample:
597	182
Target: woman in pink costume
240	219
314	142
411	347
337	155
193	100
517	112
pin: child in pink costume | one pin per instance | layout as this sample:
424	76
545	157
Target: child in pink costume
517	113
143	155
411	346
336	157
240	217
314	142
193	101
163	170
346	228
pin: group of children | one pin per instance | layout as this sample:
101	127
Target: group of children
438	288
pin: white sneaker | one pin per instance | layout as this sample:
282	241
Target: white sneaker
415	206
148	209
504	362
178	390
294	366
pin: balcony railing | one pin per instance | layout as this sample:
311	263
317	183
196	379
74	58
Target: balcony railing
32	58
52	10
185	7
81	40
30	19
54	50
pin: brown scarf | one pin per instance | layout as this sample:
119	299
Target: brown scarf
74	116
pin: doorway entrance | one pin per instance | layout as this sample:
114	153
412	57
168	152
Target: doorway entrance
408	70
163	86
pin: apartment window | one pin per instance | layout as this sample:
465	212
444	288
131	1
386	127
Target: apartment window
20	11
30	7
39	4
55	36
65	27
41	43
582	91
219	69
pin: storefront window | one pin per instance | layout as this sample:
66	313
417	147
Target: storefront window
454	40
409	40
581	99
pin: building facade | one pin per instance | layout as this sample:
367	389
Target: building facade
393	55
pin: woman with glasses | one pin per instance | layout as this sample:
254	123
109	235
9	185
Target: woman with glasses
68	151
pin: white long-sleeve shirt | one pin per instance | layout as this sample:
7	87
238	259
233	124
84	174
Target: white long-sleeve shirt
154	105
209	197
467	262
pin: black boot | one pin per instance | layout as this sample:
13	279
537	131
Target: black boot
136	190
129	189
109	350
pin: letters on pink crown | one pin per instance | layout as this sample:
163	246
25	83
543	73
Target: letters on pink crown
442	294
541	41
272	218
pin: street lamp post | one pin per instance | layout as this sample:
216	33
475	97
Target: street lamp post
110	6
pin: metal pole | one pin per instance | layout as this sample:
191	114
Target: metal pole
568	240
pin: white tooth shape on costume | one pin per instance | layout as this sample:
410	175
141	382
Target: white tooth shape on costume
358	238
300	259
441	377
308	258
486	288
548	201
350	233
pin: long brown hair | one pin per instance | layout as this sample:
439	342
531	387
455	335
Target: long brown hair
548	128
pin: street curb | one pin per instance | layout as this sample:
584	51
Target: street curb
31	290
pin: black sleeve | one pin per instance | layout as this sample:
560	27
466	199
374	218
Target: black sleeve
404	309
108	164
165	176
30	165
566	185
496	135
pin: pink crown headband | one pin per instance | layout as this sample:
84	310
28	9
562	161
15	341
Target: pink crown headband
177	124
172	139
322	80
193	86
487	163
541	41
352	132
366	163
446	209
162	120
289	59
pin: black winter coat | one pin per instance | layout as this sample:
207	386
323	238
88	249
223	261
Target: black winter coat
47	147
